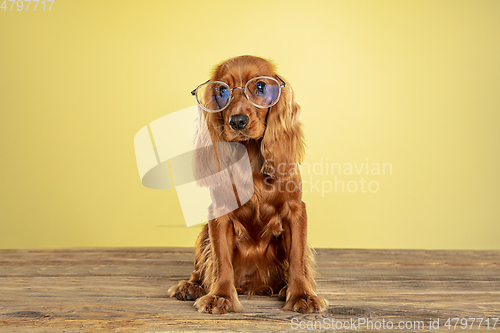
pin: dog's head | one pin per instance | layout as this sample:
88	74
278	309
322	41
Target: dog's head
246	100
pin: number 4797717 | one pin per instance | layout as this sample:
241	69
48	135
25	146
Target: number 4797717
20	4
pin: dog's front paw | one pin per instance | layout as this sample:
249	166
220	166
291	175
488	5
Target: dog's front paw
218	304
305	303
186	291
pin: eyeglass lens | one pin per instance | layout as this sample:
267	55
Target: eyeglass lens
261	91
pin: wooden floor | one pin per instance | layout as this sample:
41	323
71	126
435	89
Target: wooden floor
124	290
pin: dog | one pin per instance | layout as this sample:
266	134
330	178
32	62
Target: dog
261	247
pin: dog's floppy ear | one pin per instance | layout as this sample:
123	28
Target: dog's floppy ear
283	146
209	156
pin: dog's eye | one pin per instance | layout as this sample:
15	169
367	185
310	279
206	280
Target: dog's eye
260	87
221	95
223	92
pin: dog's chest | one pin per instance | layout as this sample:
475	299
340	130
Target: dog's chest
258	221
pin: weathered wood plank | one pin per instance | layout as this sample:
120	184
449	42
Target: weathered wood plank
124	290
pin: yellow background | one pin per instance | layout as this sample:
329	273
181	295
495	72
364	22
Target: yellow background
411	83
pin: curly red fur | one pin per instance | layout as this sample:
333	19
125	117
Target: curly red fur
260	248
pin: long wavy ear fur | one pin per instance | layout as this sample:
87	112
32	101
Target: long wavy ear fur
212	154
205	159
283	145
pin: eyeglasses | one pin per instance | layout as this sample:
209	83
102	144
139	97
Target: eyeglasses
261	91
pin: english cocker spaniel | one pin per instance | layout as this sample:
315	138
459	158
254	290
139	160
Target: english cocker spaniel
260	248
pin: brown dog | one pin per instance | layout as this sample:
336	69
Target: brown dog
260	248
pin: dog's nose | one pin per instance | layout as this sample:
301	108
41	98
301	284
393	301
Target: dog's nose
238	121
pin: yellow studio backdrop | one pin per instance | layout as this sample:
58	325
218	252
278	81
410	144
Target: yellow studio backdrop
400	105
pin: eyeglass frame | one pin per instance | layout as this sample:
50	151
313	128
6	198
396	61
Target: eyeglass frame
282	85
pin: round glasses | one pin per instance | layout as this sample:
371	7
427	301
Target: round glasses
261	91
